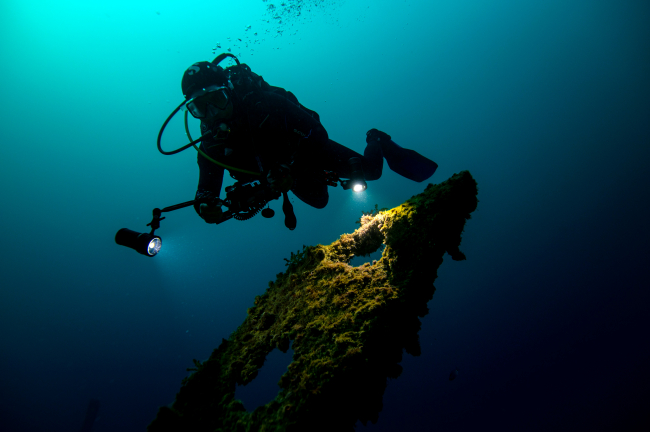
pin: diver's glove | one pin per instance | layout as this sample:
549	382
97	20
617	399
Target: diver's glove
280	179
376	135
210	213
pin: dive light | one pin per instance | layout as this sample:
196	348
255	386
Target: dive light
146	244
244	200
357	180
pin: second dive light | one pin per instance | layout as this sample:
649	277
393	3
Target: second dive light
357	180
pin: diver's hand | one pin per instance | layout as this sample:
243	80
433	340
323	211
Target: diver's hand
210	213
280	179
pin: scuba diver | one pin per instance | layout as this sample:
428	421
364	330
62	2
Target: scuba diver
260	132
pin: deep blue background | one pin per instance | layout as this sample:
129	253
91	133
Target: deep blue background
547	103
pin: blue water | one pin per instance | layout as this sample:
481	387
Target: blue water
546	103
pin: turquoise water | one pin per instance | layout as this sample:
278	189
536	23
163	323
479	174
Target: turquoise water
546	103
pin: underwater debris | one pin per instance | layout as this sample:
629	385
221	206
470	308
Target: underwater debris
349	325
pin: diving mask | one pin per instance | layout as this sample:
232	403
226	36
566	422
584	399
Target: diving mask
208	102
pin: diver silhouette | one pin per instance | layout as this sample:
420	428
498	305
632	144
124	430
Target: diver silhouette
259	131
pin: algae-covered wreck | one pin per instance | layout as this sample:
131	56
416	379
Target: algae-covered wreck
348	325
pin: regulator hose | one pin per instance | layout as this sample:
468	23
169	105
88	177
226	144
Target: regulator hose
162	129
249	214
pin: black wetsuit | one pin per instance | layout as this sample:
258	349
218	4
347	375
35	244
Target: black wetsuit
269	128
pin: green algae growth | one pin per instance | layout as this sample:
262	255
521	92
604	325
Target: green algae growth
348	326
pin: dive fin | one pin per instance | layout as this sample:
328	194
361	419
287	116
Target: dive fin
407	163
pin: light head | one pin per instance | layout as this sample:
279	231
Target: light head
144	243
359	187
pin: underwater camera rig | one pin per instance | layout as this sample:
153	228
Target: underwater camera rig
243	201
